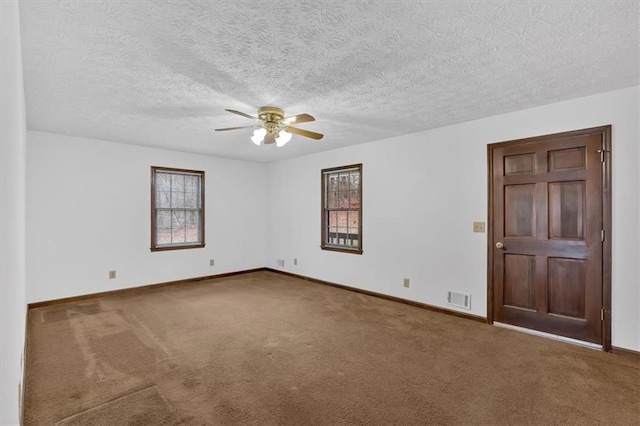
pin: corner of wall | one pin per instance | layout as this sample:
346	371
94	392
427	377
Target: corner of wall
12	217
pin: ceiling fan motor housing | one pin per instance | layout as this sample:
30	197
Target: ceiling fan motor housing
271	117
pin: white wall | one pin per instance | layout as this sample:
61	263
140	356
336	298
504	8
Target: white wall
421	193
88	212
12	218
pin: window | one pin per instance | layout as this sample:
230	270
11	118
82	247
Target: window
342	209
177	209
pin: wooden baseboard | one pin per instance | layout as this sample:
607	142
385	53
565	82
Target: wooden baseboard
386	296
138	289
626	352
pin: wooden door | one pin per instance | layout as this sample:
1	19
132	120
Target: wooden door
549	209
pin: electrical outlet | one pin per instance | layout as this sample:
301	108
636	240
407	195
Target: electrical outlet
405	282
112	275
280	262
212	262
295	260
478	227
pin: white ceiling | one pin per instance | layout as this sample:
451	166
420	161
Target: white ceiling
161	73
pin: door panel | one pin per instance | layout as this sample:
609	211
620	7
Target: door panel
567	210
567	159
566	284
520	202
519	279
546	210
521	163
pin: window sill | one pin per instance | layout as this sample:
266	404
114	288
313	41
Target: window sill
342	249
168	248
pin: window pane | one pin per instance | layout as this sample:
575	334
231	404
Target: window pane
192	218
355	180
163	236
343	181
177	218
177	182
342	199
354	221
177	200
191	184
342	218
178	235
191	200
163	227
193	227
163	181
193	235
332	202
178	228
163	219
354	198
333	219
333	233
163	199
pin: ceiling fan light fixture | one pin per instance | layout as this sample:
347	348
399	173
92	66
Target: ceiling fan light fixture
272	127
258	136
282	138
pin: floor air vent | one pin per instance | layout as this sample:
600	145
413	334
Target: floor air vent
460	300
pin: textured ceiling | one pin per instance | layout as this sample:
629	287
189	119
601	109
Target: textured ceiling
161	73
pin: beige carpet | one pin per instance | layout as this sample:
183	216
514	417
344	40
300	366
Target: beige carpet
263	348
145	407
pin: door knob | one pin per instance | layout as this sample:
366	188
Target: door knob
499	245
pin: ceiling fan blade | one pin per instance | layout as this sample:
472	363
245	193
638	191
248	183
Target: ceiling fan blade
269	138
242	114
300	118
305	133
233	128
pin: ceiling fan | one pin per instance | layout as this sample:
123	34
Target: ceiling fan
273	127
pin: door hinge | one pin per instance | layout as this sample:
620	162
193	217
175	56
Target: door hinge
602	235
602	314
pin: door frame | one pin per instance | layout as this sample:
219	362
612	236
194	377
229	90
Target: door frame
605	131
